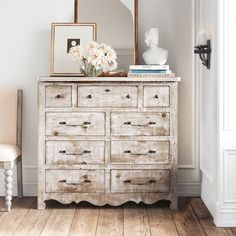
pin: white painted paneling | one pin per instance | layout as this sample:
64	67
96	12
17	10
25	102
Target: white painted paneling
229	66
208	96
218	115
25	49
229	176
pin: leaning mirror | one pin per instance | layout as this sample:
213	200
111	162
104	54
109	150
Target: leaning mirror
116	26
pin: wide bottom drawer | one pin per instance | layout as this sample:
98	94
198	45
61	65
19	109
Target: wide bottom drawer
75	181
138	181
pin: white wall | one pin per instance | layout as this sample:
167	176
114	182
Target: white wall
176	23
24	55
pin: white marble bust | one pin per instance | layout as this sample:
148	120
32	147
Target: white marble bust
154	55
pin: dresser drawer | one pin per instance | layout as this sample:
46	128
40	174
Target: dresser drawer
107	96
59	124
58	96
75	152
133	181
139	152
147	124
156	96
75	181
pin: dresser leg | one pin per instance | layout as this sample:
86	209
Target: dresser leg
174	204
41	204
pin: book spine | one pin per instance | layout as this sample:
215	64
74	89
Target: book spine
149	67
162	75
148	71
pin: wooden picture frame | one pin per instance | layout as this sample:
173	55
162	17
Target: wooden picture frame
136	32
64	36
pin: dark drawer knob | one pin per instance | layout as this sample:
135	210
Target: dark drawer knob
151	123
87	123
127	123
164	115
128	96
107	90
156	96
89	96
58	96
128	181
151	151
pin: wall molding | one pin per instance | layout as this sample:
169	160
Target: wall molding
207	174
225	217
228	154
206	198
195	105
189	189
195	98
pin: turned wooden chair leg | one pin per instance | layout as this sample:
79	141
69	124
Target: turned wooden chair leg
8	188
19	177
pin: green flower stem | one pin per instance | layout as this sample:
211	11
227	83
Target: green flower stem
90	71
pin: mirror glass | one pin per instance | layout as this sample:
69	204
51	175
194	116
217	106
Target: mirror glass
115	21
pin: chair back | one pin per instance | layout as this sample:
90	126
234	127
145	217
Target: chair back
11	116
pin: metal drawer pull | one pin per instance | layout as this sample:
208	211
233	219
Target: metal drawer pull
156	96
59	96
107	90
164	115
74	183
74	154
140	181
149	123
89	96
84	125
139	154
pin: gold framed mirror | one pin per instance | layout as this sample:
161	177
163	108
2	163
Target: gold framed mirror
117	26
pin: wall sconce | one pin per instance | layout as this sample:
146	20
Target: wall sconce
204	52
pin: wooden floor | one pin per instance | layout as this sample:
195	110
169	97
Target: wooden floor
130	219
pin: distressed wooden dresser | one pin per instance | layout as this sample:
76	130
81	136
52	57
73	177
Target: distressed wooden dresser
107	140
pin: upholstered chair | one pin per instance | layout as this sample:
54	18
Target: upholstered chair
11	140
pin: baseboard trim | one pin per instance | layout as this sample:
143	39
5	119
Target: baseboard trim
225	217
208	201
184	188
189	189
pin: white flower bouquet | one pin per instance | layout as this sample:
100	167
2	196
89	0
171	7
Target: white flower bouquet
94	59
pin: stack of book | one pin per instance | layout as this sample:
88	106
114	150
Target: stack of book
150	71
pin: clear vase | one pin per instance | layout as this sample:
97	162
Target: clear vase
90	71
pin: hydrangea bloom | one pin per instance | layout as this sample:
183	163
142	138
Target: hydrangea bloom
95	58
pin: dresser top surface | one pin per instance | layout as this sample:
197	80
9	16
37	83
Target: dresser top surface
105	79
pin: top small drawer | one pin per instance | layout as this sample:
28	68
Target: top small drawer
107	96
156	96
58	96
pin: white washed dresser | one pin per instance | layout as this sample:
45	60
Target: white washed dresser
107	140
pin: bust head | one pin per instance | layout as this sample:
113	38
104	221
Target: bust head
152	37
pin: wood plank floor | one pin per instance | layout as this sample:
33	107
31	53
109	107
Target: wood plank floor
129	219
